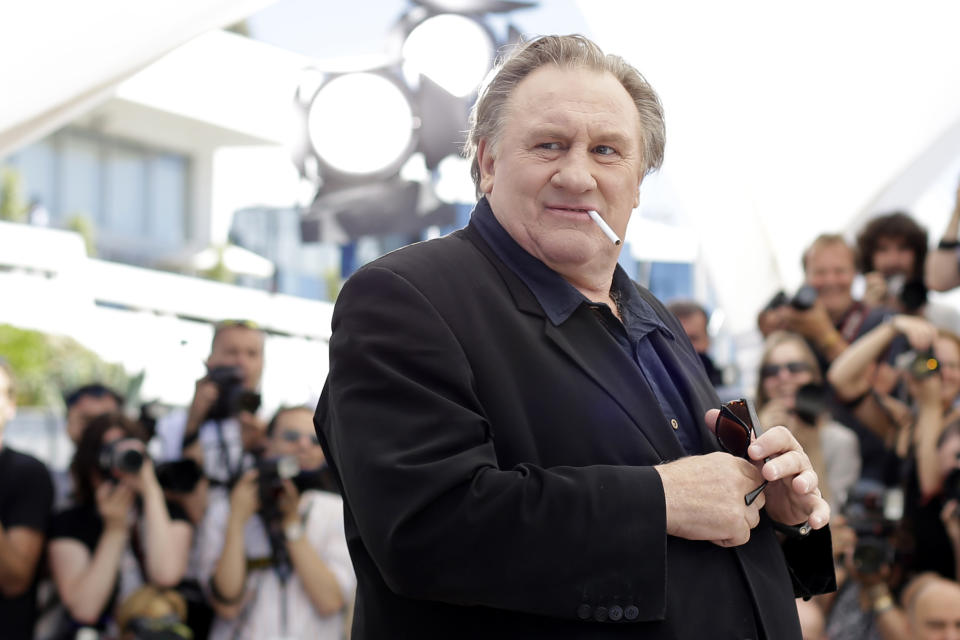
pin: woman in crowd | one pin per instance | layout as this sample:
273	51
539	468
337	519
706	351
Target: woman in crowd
121	533
279	566
922	430
789	365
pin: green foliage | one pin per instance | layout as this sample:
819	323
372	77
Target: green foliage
219	271
47	366
83	225
334	283
13	208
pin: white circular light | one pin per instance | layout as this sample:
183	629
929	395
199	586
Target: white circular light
453	51
360	123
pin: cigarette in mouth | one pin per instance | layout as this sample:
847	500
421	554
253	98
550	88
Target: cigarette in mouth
607	231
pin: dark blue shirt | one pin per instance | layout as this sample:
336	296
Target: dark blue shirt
560	299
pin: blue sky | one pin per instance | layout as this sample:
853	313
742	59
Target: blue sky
327	29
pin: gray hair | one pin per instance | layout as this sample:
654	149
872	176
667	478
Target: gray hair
572	51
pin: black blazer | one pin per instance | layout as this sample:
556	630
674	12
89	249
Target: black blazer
497	470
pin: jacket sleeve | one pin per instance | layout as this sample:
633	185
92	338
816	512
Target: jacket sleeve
438	515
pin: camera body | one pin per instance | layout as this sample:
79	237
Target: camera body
910	293
114	458
179	476
867	514
804	298
811	401
232	398
271	472
919	364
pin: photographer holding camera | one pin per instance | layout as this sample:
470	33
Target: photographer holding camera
920	432
285	572
823	310
892	252
221	424
120	534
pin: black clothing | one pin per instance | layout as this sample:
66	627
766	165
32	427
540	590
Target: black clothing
498	468
26	497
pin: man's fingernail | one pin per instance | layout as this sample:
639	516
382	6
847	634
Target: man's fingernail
804	486
774	469
755	450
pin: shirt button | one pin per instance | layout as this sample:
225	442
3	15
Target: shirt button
584	611
674	424
600	614
631	613
615	613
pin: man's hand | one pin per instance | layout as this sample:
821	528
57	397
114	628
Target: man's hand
704	498
812	323
875	294
253	431
793	496
204	396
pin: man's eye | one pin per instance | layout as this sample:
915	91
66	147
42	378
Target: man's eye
549	146
604	150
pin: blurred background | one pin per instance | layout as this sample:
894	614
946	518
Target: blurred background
165	165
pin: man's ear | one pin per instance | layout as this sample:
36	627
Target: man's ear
486	161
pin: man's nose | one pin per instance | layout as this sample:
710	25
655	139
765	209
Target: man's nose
575	172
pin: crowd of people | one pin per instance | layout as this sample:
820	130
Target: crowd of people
870	387
464	467
207	523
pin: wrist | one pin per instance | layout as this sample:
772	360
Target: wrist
293	530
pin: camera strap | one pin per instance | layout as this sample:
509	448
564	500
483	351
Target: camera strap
233	471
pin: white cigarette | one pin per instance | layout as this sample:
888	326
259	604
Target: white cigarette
607	231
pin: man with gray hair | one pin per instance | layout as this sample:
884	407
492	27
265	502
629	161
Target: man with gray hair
522	434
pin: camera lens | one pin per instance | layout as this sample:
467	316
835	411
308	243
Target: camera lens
129	461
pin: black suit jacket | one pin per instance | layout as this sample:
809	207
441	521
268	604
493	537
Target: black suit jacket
497	470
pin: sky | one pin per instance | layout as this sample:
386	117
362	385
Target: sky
325	29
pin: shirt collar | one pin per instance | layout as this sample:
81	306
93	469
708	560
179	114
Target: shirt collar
558	298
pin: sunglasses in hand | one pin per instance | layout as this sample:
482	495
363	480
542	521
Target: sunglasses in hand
735	427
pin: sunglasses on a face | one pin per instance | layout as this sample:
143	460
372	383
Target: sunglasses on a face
772	370
294	436
735	426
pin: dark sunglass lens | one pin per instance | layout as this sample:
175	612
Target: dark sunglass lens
769	370
798	367
291	436
732	436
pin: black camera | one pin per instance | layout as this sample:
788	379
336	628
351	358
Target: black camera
912	294
810	402
232	398
865	511
271	472
802	300
117	458
919	364
179	476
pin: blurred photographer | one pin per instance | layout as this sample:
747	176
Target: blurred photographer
26	496
892	251
120	534
823	310
790	392
864	607
221	424
919	431
278	562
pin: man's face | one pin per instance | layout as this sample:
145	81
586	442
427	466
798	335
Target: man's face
893	256
695	326
830	270
8	407
570	142
85	409
936	614
239	347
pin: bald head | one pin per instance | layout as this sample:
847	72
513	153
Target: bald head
934	612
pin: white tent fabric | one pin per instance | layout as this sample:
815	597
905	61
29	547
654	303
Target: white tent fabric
788	120
62	58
